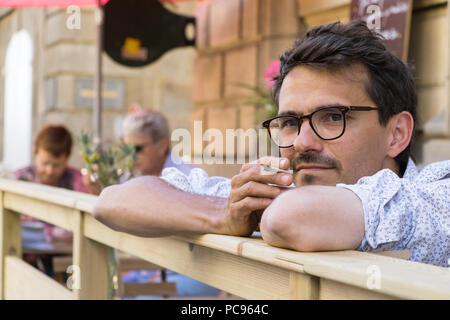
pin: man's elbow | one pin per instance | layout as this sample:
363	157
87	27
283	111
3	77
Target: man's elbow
281	227
104	207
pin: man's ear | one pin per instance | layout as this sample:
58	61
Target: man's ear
401	126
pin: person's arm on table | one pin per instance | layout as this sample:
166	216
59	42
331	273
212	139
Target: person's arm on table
146	207
314	218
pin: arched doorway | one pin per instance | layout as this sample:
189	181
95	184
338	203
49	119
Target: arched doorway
18	101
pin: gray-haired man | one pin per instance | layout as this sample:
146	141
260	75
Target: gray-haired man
148	131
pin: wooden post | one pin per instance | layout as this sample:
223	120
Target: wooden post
90	259
10	240
303	286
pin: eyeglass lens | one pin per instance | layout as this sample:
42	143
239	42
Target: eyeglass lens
327	123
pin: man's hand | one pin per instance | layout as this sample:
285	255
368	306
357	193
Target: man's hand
251	194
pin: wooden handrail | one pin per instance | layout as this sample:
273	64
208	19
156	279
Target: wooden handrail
244	266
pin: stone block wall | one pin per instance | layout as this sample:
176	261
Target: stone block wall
236	41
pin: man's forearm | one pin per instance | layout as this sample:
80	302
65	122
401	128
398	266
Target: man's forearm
150	207
315	218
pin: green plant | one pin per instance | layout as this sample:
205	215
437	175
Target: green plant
107	165
261	98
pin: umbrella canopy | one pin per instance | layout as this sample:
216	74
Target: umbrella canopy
58	3
48	3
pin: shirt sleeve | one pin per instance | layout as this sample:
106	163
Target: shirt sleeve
197	182
404	214
78	184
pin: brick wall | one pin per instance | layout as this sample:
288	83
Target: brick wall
236	41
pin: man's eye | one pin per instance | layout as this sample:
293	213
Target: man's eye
288	123
333	117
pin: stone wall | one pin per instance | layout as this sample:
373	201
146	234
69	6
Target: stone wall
236	41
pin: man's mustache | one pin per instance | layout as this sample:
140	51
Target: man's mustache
315	158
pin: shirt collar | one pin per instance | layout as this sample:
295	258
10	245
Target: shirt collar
411	171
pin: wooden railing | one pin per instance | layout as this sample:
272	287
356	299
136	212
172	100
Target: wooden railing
246	267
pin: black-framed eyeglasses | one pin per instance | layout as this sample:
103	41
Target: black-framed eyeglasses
328	123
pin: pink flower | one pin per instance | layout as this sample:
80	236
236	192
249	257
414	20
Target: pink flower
134	108
271	72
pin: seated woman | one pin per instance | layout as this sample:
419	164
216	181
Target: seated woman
52	149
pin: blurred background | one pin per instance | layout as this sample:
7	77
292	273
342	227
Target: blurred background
53	67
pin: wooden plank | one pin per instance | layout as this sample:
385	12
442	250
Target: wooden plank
42	192
128	262
10	240
399	278
41	210
240	276
303	286
404	279
308	7
333	290
155	289
61	263
25	282
399	254
91	259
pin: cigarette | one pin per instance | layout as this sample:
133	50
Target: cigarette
277	170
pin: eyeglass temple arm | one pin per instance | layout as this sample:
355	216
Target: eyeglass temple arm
356	108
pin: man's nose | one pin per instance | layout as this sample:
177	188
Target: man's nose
307	140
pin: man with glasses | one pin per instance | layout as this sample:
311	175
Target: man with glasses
347	109
148	131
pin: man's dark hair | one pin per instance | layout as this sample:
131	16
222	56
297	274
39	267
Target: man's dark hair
55	139
335	46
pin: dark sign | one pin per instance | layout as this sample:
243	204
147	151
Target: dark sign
138	32
391	18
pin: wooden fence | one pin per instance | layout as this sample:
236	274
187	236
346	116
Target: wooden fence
246	267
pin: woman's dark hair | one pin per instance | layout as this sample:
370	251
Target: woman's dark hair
335	46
